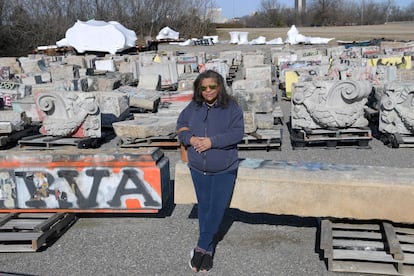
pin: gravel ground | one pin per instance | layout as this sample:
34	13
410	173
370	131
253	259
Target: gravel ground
253	244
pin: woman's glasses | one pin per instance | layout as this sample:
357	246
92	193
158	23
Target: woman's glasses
211	86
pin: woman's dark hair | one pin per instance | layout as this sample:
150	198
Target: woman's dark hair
223	97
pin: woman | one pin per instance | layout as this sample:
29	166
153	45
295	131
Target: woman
210	126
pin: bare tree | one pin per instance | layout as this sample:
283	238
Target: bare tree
271	13
26	24
324	11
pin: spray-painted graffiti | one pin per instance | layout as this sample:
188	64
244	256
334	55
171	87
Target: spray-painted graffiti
7	189
307	166
85	189
87	182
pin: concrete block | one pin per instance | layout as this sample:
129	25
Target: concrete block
11	120
259	100
250	84
259	72
113	106
12	64
315	189
265	120
252	60
106	65
75	60
150	81
131	131
62	72
27	105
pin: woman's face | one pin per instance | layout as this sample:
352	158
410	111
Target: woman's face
209	90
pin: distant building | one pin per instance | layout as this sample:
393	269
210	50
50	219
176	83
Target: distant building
215	16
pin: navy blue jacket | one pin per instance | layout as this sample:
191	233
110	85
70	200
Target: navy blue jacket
224	127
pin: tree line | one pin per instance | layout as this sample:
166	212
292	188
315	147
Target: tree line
26	24
272	13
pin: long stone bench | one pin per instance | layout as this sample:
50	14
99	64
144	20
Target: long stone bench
315	190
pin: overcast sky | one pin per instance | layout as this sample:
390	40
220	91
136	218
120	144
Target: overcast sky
238	8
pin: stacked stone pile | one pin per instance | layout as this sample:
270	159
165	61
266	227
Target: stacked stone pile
330	87
341	87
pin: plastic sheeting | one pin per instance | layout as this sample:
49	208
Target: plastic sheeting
239	37
99	36
167	33
294	37
261	40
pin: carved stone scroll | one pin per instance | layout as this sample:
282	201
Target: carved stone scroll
329	104
397	109
69	114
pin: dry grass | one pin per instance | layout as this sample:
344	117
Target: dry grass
391	31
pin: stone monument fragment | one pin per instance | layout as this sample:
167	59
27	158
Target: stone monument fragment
329	104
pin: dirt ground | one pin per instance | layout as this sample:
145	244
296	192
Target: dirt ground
392	31
401	31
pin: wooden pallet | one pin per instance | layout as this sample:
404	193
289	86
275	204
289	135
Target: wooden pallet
262	139
13	138
379	248
50	142
397	140
28	232
331	138
169	141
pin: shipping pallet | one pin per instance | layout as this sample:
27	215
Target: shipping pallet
397	140
28	232
262	139
331	138
53	142
13	138
379	248
158	141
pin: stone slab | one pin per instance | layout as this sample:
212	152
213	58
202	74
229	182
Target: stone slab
315	190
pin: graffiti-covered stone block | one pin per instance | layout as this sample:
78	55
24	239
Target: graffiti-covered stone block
329	104
137	181
397	109
232	57
259	72
32	64
11	91
251	60
69	114
167	70
12	64
258	100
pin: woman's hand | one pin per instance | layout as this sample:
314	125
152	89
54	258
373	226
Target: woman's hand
200	144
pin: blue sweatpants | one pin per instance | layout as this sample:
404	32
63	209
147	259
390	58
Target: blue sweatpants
213	196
